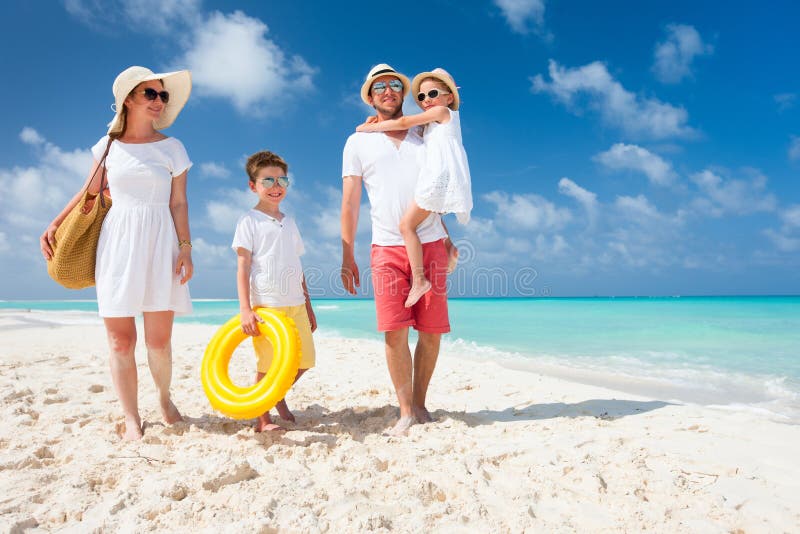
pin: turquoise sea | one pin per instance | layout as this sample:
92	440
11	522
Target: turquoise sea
742	352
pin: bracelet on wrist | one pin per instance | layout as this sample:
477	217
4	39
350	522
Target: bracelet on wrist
184	243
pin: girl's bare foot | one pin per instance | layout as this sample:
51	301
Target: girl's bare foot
417	291
284	412
422	414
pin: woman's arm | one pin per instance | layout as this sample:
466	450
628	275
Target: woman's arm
435	114
179	207
48	238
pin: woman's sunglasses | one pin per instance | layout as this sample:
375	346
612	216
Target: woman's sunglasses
379	88
433	93
151	94
269	181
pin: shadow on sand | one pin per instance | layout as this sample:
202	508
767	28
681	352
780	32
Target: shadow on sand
359	422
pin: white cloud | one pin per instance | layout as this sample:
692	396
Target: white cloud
673	57
586	198
631	157
527	212
160	17
211	169
783	242
31	196
228	205
794	148
636	116
523	15
230	57
791	216
730	196
785	100
29	136
4	245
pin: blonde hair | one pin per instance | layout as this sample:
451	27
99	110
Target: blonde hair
262	159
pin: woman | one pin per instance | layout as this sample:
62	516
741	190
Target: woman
144	254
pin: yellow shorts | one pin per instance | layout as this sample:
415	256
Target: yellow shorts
263	347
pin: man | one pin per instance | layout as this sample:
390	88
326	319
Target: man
387	164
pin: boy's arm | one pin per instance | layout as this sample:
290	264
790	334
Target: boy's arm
435	114
309	310
250	319
351	203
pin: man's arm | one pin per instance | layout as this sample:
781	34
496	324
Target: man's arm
351	202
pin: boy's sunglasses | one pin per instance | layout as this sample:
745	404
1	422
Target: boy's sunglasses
151	94
433	93
379	88
269	181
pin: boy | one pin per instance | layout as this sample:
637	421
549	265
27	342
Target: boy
269	273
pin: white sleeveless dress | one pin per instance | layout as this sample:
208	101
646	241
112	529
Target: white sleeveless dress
138	246
444	184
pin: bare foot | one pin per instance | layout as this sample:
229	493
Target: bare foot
401	427
284	412
417	290
452	259
133	429
170	413
265	424
422	414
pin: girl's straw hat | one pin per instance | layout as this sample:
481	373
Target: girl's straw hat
377	71
178	84
441	75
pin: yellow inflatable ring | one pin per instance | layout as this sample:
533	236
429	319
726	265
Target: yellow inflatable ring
248	402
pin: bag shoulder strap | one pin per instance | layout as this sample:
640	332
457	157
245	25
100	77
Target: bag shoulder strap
103	180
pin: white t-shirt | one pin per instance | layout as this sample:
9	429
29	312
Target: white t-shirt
276	275
390	177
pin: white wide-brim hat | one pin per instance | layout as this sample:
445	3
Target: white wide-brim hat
178	84
377	71
441	75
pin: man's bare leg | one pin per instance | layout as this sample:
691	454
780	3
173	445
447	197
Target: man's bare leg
425	356
158	338
398	360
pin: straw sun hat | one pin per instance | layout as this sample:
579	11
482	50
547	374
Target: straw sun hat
377	71
178	84
441	75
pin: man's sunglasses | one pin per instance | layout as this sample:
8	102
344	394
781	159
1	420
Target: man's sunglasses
433	93
269	181
378	88
151	94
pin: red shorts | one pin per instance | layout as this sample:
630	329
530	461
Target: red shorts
391	281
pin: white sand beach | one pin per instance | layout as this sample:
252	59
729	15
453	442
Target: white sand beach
510	451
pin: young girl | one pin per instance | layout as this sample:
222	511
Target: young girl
444	181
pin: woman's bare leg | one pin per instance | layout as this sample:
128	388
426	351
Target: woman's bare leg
158	338
121	333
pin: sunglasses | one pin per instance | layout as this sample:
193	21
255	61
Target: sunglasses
151	94
379	88
269	181
433	93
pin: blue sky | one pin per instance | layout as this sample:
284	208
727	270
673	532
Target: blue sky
616	148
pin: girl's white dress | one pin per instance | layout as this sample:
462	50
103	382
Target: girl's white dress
138	246
444	184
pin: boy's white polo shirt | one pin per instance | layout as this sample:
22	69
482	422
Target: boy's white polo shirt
276	274
390	176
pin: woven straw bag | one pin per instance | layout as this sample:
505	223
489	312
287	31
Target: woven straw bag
75	249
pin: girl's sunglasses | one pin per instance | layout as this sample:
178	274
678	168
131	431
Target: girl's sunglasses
379	88
269	181
151	94
433	93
